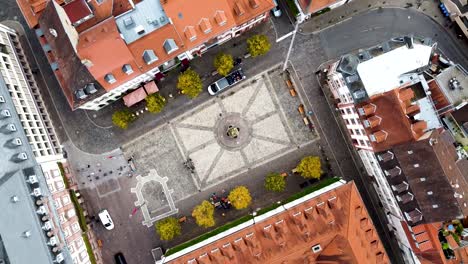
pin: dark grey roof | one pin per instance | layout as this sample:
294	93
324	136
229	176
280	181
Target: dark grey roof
421	169
22	239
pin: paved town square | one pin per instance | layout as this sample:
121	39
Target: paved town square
268	124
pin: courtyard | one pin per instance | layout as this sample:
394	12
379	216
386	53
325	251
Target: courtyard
268	126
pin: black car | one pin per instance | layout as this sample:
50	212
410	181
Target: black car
119	258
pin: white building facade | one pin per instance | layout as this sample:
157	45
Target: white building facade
41	136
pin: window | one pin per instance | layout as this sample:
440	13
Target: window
422	179
435	206
361	142
71	248
60	185
79	242
46	174
65	200
316	248
51	187
353	121
55	173
346	121
57	203
348	111
410	152
67	232
416	165
75	227
62	218
429	193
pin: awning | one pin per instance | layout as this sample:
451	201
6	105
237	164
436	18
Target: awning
134	97
151	87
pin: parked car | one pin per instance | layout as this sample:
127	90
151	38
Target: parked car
223	83
276	10
106	219
119	258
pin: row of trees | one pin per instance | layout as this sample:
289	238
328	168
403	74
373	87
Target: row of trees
240	198
190	83
203	213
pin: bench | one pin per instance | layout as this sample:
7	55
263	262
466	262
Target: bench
292	92
183	219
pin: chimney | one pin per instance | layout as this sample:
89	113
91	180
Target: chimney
405	94
367	109
378	136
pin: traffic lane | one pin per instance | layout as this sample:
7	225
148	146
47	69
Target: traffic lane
379	25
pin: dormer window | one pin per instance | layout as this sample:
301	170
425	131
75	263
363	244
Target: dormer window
205	25
170	46
110	78
149	56
127	69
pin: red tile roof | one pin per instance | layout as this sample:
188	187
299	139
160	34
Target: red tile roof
289	236
104	50
395	127
76	10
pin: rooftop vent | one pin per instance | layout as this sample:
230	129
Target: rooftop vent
80	94
2	99
317	248
36	192
52	241
110	78
9	128
140	30
127	69
170	46
20	156
47	225
41	210
128	22
27	233
90	88
59	258
14	199
32	179
149	56
5	113
359	94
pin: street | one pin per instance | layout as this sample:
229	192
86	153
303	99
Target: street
92	132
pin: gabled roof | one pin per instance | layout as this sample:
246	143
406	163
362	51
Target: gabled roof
394	126
333	226
106	53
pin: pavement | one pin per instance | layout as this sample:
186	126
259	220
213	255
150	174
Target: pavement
90	132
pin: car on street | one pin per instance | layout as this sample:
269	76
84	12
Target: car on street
106	219
225	82
276	10
119	258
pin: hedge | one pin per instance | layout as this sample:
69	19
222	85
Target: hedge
92	258
64	177
79	211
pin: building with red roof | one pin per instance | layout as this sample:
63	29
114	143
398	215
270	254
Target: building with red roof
329	225
101	50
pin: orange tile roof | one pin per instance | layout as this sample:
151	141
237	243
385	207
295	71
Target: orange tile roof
103	48
245	10
155	41
103	11
32	9
288	237
318	5
200	16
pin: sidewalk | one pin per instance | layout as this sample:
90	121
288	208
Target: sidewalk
321	22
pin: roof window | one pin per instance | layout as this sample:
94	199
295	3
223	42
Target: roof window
220	18
316	248
140	30
2	100
127	69
205	25
190	33
170	46
239	9
149	56
110	78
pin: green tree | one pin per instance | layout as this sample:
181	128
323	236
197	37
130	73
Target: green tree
168	228
275	182
258	45
203	214
310	167
122	118
223	63
190	83
155	102
240	197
